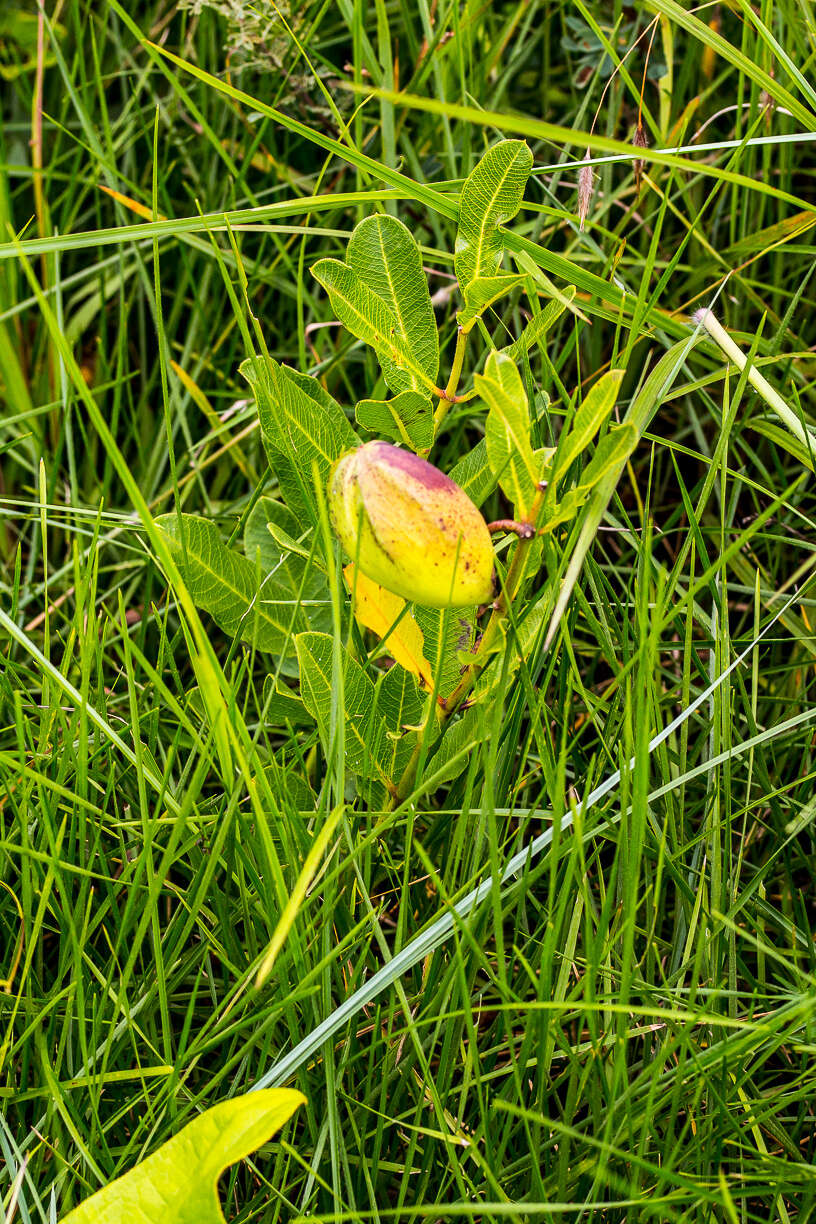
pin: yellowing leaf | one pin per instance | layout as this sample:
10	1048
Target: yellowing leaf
178	1184
377	609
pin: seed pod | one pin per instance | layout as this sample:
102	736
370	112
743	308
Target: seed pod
410	528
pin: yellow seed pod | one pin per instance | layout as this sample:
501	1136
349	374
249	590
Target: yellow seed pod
411	528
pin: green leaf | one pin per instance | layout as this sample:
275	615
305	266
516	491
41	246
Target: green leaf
610	455
385	255
302	428
454	753
270	543
225	585
483	292
507	431
178	1184
364	727
258	542
474	474
519	643
400	702
588	419
369	318
640	412
492	194
538	327
408	418
446	631
282	706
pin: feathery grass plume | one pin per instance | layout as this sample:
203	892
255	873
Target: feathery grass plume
640	141
585	189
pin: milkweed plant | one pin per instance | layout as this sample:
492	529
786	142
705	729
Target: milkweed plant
434	604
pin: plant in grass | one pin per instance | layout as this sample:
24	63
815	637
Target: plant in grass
276	596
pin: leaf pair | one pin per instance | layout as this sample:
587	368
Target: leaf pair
491	195
381	295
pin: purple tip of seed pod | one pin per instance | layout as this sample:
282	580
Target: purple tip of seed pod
418	469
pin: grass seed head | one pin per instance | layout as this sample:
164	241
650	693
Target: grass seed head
585	189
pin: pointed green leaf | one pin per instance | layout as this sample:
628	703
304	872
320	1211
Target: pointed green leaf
610	455
640	412
482	293
491	195
507	431
282	706
474	474
364	726
537	328
385	255
455	752
178	1184
407	418
301	425
369	318
589	418
225	585
259	544
519	644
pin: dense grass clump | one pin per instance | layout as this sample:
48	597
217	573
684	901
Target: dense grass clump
621	1027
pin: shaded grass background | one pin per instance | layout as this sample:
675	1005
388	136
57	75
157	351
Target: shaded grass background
631	1033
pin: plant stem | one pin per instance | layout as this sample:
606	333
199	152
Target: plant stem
448	397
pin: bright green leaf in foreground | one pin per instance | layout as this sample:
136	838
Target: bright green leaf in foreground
271	535
589	418
301	425
178	1183
385	255
483	292
364	727
613	451
406	418
491	195
507	431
